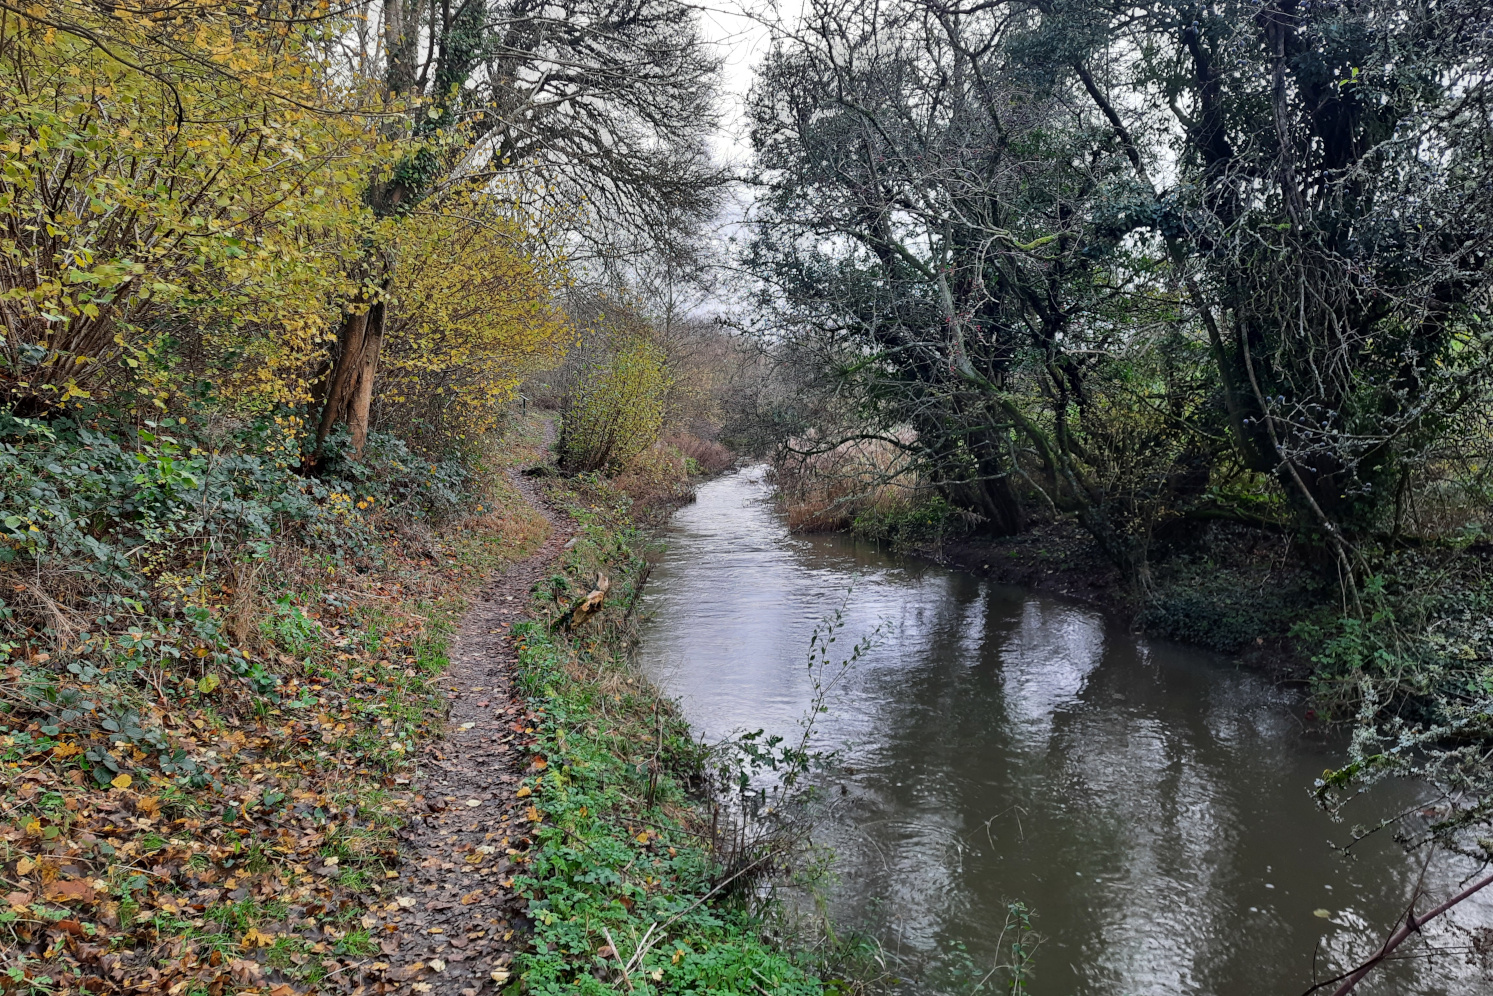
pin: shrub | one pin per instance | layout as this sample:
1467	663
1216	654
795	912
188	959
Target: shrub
1222	608
915	521
827	491
616	409
131	522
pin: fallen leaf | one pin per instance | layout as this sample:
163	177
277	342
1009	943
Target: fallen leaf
472	897
408	902
467	726
24	866
122	781
18	901
474	802
245	969
437	965
525	792
499	976
71	890
255	939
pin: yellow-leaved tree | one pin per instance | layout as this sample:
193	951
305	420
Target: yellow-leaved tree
472	313
185	172
189	184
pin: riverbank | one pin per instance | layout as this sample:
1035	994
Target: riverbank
625	890
332	786
1231	591
1221	585
213	790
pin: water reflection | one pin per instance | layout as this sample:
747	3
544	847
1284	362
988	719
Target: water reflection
1148	801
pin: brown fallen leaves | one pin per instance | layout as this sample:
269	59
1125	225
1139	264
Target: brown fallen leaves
276	867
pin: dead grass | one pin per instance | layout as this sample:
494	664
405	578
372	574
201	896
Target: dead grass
826	492
711	457
657	480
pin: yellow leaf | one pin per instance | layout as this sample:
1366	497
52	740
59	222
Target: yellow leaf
24	866
525	792
256	939
122	781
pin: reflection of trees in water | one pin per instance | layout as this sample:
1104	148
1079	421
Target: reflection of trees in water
1009	747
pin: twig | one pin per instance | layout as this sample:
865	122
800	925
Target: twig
1410	925
618	955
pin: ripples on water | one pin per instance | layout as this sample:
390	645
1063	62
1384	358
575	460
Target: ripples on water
1149	801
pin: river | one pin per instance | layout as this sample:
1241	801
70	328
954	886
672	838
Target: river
1149	802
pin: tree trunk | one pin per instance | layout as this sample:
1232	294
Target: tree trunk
1002	506
348	362
362	395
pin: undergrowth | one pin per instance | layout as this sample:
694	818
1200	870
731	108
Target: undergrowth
925	521
1414	675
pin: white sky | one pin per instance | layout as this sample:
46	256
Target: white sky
740	40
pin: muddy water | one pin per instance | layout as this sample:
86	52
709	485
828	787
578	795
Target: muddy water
1148	801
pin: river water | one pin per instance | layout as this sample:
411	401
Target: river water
1149	802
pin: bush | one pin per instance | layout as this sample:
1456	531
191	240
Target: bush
927	520
709	456
616	409
1220	608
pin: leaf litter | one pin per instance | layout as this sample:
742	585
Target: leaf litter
327	842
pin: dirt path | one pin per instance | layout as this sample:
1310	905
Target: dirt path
455	919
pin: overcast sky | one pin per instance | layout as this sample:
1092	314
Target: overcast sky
740	41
